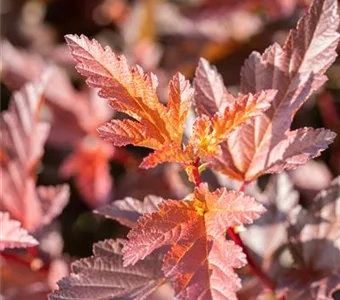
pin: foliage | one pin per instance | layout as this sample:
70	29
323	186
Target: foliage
208	146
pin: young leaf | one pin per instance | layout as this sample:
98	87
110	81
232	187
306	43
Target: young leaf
132	92
103	276
128	210
23	137
154	125
265	144
12	235
200	260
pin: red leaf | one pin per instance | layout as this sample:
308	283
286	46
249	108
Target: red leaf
269	233
132	92
154	125
103	276
89	164
295	70
128	210
320	222
195	229
12	235
314	241
23	143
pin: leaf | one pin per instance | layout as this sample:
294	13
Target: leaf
265	144
322	289
314	241
22	147
128	210
103	276
75	113
311	178
320	222
165	181
89	163
134	93
269	233
208	133
23	134
154	125
200	260
53	199
12	235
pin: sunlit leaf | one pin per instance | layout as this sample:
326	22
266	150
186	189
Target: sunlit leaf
195	231
12	235
265	144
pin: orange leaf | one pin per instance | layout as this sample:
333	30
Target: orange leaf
89	164
266	144
154	125
200	260
134	93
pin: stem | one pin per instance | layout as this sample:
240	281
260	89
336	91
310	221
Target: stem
242	187
266	282
196	173
255	269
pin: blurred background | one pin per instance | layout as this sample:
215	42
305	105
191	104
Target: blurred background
163	36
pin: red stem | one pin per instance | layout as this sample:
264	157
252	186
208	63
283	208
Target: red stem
256	270
266	282
196	173
268	285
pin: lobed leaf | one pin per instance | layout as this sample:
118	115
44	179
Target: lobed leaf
13	235
295	71
195	230
103	276
152	124
134	93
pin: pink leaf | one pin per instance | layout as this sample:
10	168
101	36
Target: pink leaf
128	210
103	276
89	164
22	147
200	261
295	71
12	235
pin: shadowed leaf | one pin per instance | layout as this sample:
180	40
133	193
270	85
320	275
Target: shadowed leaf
128	210
103	276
